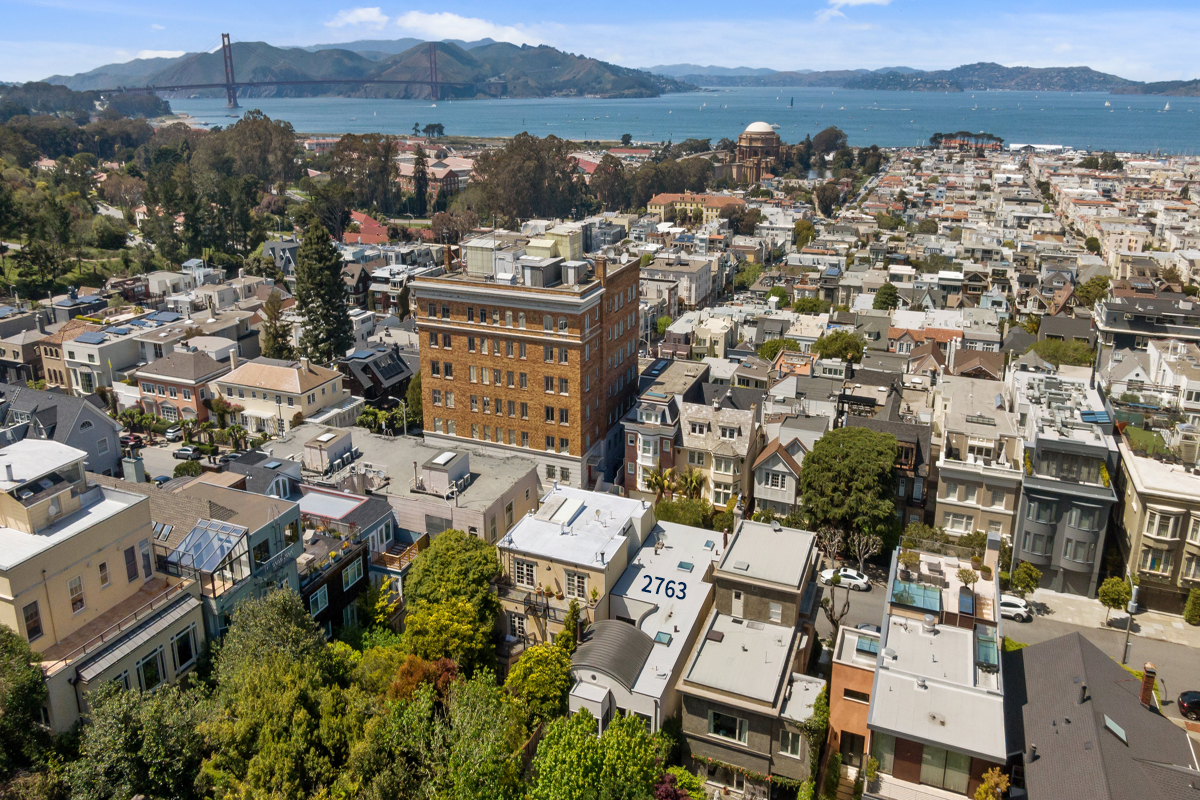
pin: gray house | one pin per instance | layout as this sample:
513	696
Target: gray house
79	422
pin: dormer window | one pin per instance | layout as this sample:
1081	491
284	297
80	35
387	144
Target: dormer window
728	433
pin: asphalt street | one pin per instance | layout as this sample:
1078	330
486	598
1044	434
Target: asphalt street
1177	664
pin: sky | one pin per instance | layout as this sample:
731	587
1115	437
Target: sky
1150	40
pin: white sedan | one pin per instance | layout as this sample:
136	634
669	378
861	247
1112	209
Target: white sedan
1012	607
850	578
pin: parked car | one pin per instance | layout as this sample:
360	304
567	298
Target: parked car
161	479
850	578
188	453
1189	705
131	440
1013	607
173	433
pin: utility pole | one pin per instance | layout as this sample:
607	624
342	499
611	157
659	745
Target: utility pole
1128	625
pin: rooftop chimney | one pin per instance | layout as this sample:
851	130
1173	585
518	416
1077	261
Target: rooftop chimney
1149	674
232	360
8	472
304	363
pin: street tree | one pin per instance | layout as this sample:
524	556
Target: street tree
572	763
321	296
1114	595
1024	579
420	182
448	629
848	481
455	566
862	545
22	694
833	612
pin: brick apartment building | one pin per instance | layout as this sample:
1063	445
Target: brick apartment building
542	362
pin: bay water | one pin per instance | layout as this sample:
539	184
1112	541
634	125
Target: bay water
1083	120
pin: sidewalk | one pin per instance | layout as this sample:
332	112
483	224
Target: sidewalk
1088	612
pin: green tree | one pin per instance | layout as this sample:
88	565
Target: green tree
927	225
572	763
1059	352
412	398
840	344
829	140
140	743
321	296
263	627
455	566
662	323
1092	244
276	333
688	511
1024	579
626	140
811	305
769	349
567	639
886	297
1191	610
1114	593
420	182
22	694
540	681
1092	290
447	629
187	469
994	785
781	293
803	233
827	197
847	482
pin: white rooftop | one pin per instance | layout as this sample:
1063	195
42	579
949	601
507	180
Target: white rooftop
33	458
760	552
99	504
681	562
742	657
578	527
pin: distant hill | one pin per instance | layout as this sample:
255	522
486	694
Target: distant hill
388	47
1172	88
679	70
529	72
968	78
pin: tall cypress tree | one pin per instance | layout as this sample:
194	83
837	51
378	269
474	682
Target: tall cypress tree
321	294
276	332
420	182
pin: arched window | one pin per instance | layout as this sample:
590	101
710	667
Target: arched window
521	320
562	324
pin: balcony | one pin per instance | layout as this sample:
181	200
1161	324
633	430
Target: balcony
980	466
110	626
399	557
534	605
890	788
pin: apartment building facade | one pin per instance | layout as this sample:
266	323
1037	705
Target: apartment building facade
77	581
542	362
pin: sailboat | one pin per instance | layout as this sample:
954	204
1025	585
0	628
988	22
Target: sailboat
791	102
1167	107
1107	104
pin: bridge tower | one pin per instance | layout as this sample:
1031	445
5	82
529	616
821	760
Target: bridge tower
433	79
230	83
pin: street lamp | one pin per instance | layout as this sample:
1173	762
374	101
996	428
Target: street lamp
404	406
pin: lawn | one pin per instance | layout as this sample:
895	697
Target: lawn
1149	441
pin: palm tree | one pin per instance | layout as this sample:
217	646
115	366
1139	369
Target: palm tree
237	435
659	481
187	426
206	429
691	483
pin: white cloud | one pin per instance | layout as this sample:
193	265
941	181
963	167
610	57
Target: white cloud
836	6
359	17
160	53
445	25
155	26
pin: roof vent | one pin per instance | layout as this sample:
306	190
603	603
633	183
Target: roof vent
930	624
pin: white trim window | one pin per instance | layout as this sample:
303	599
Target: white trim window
1191	567
1193	534
726	726
1160	525
577	584
352	574
319	601
524	573
790	743
723	464
958	523
1155	560
1085	518
516	624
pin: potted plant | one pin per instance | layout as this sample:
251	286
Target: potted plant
909	561
976	562
986	572
540	591
558	594
595	596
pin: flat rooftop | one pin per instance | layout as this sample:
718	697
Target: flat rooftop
491	476
742	657
32	458
671	378
328	504
977	407
760	552
99	504
677	557
577	526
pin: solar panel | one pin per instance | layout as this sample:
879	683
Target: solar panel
167	316
90	337
273	465
118	331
